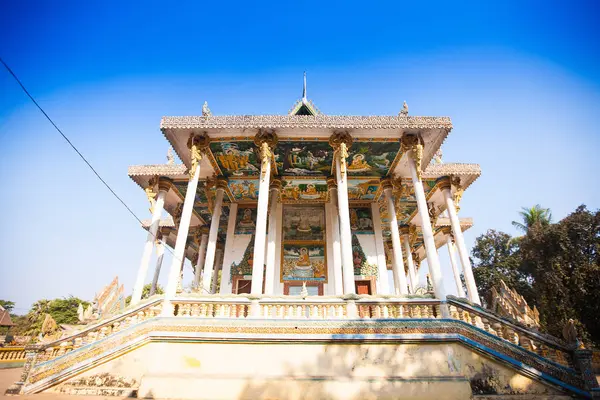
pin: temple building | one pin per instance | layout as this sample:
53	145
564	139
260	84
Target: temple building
306	233
278	203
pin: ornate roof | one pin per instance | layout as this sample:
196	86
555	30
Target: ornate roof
465	223
444	169
164	223
468	172
141	174
305	121
157	169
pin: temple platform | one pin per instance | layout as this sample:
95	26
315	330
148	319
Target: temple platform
358	347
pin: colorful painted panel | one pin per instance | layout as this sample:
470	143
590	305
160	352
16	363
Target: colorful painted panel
236	158
362	189
304	158
303	223
359	260
245	221
204	212
303	189
244	189
372	158
201	198
301	262
361	220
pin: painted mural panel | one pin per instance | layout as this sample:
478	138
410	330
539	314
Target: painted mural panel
206	215
361	220
362	189
372	158
244	189
303	189
304	158
304	262
245	221
200	198
303	223
236	158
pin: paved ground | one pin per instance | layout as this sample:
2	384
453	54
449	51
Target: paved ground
11	375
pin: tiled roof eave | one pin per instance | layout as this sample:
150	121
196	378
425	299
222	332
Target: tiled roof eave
305	121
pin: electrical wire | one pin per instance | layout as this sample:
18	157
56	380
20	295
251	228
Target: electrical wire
10	71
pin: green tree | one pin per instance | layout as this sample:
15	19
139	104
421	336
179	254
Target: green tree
145	293
564	261
496	257
533	216
64	311
7	305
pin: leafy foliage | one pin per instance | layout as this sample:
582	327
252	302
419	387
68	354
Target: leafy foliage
564	261
533	216
145	292
64	311
496	257
7	305
554	266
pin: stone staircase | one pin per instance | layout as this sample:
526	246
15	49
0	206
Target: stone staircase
289	340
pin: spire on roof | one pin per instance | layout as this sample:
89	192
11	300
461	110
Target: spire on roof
304	106
304	89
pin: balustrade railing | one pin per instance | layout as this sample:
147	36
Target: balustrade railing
96	332
546	346
12	354
398	309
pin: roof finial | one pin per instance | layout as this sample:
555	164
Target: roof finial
205	110
304	89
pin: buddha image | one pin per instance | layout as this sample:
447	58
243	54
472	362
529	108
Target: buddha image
246	221
303	258
353	219
358	163
303	226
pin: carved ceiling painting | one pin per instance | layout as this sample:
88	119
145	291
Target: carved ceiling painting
236	158
302	190
244	189
362	189
304	158
372	158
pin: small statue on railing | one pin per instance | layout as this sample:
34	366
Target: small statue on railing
570	335
304	291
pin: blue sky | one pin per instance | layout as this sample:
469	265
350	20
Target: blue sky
521	81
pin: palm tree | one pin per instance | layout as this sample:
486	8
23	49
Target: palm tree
532	216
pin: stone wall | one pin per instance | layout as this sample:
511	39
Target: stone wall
304	370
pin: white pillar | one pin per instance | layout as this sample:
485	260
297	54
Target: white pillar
163	188
383	286
412	272
209	261
400	283
433	260
229	240
459	287
335	238
217	267
462	249
201	256
275	186
184	224
265	143
341	143
160	254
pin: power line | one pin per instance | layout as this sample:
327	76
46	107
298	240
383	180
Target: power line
10	71
68	141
